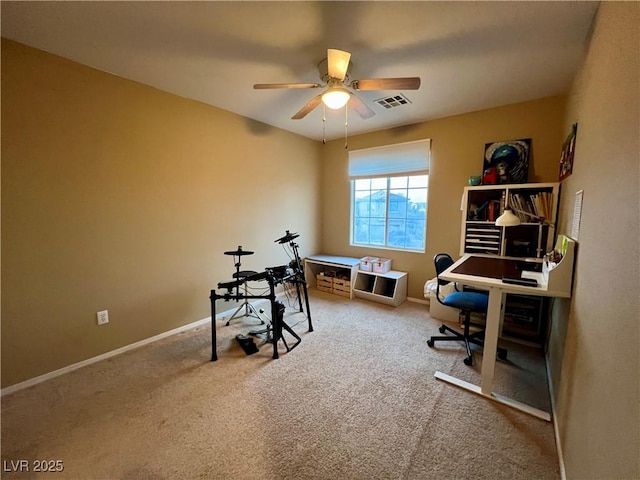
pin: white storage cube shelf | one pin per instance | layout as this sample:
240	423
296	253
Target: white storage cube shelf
389	288
349	277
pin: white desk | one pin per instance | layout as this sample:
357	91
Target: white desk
486	273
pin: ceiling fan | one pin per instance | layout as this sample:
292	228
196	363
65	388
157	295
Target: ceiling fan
334	72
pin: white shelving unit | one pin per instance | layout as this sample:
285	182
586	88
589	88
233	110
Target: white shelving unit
316	264
389	288
525	317
481	205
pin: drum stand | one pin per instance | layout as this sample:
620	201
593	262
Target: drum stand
249	309
273	332
298	273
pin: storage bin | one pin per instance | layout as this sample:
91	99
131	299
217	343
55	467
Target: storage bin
381	265
342	287
366	263
342	293
323	288
325	282
341	284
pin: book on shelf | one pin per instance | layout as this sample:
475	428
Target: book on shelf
533	207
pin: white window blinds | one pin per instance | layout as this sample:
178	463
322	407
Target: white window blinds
400	158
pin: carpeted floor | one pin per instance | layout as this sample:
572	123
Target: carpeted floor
356	399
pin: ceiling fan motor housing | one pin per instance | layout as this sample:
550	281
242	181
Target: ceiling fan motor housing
323	68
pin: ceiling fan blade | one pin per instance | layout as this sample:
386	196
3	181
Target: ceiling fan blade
313	103
359	106
338	63
263	86
408	83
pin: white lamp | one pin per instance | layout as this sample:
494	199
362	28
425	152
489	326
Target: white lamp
507	219
336	97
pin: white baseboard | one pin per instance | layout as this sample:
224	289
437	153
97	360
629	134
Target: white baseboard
556	429
112	353
417	300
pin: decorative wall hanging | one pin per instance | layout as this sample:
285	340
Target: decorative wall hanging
507	161
568	147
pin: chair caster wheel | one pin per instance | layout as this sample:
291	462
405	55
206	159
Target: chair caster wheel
502	354
468	361
441	329
430	343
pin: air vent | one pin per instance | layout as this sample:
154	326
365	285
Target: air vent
393	101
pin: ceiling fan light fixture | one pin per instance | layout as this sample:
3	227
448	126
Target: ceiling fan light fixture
336	97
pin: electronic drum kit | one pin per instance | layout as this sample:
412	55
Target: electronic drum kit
292	273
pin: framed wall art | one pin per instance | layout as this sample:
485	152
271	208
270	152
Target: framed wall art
507	161
566	159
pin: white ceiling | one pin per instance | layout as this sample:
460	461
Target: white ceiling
469	55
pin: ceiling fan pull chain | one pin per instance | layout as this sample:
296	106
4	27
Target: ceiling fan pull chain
346	128
324	122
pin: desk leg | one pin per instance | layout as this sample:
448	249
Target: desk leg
492	331
214	350
276	328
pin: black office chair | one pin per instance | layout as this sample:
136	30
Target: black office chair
467	303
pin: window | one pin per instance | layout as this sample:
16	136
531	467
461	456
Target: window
389	188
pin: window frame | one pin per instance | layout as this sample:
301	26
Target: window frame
388	189
388	214
407	159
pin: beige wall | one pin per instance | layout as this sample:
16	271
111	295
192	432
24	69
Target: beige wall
119	196
594	349
457	147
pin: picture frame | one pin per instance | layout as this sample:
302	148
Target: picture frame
506	161
567	156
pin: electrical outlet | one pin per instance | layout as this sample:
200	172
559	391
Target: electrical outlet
103	317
